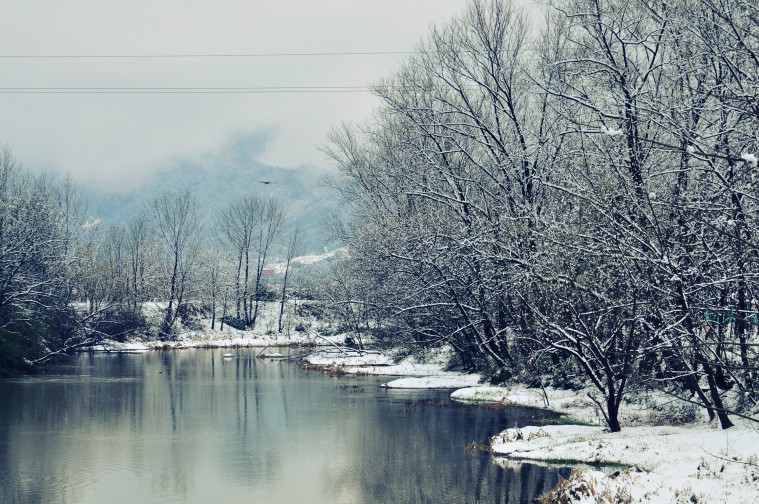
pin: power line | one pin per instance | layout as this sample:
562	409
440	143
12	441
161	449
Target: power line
184	90
195	90
188	92
206	55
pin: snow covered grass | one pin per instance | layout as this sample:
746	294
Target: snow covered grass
664	464
214	339
645	462
346	357
298	330
430	374
440	381
576	405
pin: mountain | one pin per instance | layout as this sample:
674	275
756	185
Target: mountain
217	182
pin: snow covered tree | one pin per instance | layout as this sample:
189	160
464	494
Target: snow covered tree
266	228
39	225
177	225
293	247
249	227
585	194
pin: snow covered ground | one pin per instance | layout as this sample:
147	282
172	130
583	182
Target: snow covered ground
430	374
442	380
231	338
695	462
297	330
336	357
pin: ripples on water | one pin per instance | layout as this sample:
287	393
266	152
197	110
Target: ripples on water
190	426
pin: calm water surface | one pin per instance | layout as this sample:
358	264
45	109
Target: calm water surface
191	427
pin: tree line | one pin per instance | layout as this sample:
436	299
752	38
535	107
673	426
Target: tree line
68	281
571	200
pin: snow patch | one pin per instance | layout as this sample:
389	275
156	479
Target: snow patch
610	131
346	358
749	158
434	382
665	464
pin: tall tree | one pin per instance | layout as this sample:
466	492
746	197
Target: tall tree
267	226
293	247
176	221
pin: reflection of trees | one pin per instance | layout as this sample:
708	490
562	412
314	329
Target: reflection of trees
57	433
190	426
428	463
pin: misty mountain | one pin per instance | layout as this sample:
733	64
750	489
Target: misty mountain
217	182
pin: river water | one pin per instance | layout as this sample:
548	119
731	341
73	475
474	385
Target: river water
192	427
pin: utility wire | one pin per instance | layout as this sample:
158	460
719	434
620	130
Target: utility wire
181	88
273	91
185	90
205	55
192	90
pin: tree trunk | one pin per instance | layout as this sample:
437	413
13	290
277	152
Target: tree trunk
282	303
245	289
168	320
724	420
612	410
213	311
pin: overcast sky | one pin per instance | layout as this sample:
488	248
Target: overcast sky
113	141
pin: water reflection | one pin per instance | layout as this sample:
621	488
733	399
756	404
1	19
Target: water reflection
191	426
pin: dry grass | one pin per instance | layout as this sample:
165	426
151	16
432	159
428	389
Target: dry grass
333	370
581	486
495	405
570	490
477	446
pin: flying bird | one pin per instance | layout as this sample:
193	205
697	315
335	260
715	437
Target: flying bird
267	182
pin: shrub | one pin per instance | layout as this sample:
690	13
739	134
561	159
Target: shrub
11	352
234	322
120	323
266	293
498	375
676	413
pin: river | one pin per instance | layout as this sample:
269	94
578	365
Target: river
192	427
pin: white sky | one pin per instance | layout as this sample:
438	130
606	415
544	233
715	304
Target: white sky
113	141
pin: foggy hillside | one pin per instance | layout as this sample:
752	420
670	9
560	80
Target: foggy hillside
217	183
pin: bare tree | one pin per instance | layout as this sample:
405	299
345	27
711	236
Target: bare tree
235	224
265	231
141	252
176	222
585	195
293	248
217	272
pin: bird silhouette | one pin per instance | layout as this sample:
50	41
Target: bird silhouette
267	182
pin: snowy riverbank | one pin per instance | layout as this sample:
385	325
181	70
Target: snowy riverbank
299	328
694	463
427	374
236	339
653	458
649	461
